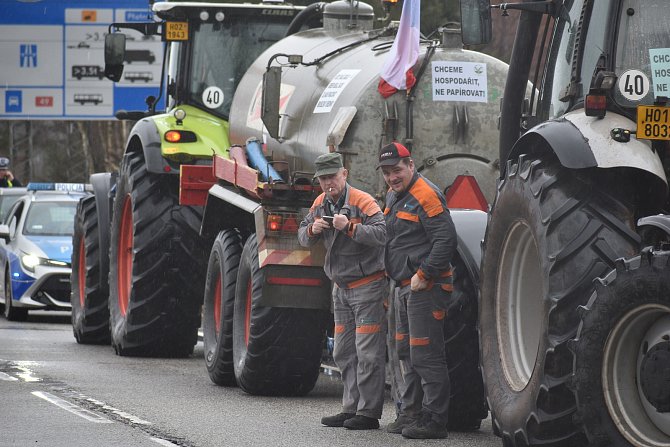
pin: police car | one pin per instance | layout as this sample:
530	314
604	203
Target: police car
36	255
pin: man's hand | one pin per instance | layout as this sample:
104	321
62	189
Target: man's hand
340	222
319	226
417	284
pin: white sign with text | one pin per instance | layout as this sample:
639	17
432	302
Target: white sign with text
459	81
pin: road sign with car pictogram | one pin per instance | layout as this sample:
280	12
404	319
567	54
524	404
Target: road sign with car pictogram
53	59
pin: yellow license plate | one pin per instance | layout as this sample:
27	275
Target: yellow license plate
176	31
653	123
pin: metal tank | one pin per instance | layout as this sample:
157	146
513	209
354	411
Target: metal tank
331	102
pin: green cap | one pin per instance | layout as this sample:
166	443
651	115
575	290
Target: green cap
327	164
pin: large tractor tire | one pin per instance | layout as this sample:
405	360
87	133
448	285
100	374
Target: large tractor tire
276	350
467	404
622	356
551	231
157	265
90	287
219	306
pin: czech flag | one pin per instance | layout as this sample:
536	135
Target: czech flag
397	72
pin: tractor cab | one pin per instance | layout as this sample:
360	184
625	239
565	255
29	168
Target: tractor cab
208	49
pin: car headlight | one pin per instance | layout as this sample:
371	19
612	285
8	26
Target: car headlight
29	261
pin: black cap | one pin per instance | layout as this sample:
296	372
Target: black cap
391	154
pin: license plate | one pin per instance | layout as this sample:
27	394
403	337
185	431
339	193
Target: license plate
176	31
653	123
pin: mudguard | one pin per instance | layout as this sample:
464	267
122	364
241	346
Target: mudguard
227	209
581	141
660	222
102	185
470	229
145	135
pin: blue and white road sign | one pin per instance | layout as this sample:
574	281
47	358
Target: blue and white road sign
28	55
13	101
52	54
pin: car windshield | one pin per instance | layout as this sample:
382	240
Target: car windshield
50	219
643	52
222	52
6	203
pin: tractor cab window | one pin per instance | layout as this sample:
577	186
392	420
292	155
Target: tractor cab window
643	47
221	54
562	88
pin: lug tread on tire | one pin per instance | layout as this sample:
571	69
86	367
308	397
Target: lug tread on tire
168	266
90	322
224	262
636	284
283	353
580	224
467	404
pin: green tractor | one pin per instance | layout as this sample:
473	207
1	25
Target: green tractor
139	263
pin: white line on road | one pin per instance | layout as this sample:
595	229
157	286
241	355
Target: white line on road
72	408
164	442
7	377
122	414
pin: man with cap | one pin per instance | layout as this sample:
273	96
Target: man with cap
7	179
350	224
420	243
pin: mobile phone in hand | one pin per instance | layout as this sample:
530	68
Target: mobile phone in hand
328	219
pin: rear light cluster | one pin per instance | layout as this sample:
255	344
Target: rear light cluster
286	223
595	103
180	136
284	281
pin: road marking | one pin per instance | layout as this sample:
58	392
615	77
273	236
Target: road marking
164	442
7	377
121	414
72	408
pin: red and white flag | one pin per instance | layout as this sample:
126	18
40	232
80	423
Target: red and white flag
397	72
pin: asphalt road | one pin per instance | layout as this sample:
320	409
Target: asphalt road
54	392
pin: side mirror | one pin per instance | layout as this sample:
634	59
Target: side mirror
270	100
476	22
115	51
4	232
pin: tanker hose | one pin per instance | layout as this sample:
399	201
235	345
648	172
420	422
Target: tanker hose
409	115
258	161
236	153
304	17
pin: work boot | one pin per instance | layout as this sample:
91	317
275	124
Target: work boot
359	422
400	422
426	428
337	420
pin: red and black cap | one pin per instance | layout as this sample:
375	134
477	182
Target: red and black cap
391	154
